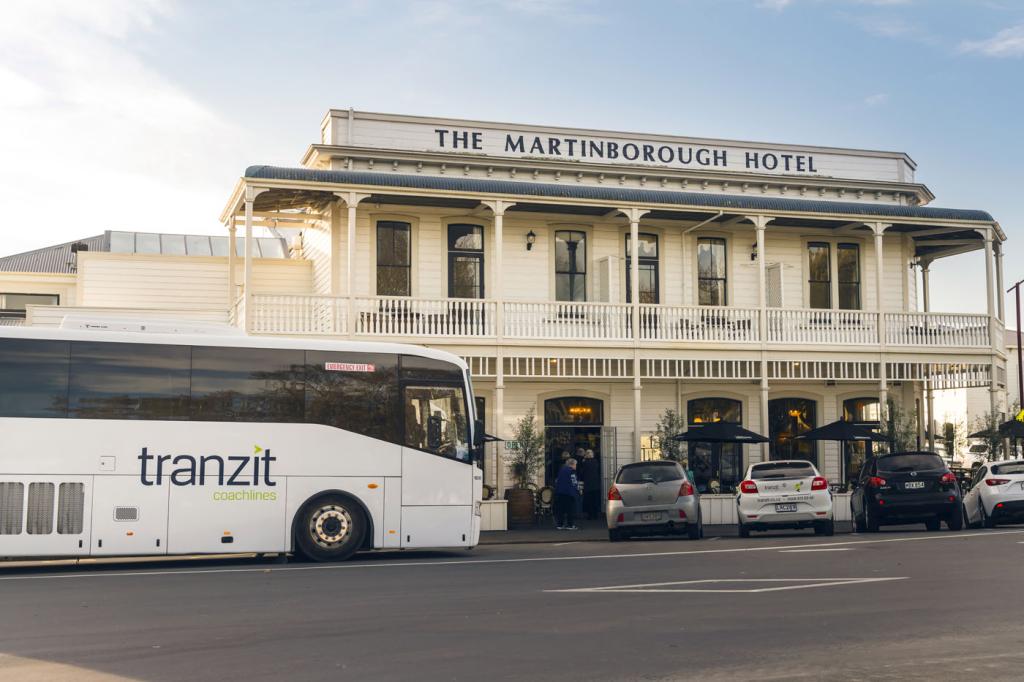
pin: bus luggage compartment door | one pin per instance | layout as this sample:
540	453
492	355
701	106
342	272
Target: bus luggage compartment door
128	518
437	526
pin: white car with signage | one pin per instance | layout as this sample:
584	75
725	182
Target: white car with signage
784	494
996	494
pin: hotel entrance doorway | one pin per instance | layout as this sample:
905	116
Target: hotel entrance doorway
572	428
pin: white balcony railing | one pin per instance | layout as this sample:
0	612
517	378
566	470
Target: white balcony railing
706	323
844	327
296	314
942	330
394	316
570	321
383	316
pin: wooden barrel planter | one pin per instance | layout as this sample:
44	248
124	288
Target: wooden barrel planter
521	511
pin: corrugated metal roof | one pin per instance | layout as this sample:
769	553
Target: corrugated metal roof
55	259
623	194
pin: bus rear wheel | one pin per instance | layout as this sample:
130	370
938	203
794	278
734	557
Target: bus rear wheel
330	528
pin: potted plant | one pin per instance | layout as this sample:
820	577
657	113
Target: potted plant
525	462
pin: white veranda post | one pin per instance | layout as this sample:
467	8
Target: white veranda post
634	215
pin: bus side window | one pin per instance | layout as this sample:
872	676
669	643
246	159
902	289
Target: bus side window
357	392
128	381
247	384
33	378
436	420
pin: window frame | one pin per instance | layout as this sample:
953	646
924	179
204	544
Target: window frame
773	453
849	246
478	255
572	272
644	261
834	244
392	223
827	246
724	279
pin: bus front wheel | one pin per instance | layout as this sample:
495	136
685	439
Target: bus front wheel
330	528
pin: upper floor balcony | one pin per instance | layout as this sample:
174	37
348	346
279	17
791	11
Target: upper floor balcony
469	320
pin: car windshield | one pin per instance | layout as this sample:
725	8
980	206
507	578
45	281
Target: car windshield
922	461
979	448
782	470
650	473
1007	469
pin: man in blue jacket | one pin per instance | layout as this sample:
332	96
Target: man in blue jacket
567	490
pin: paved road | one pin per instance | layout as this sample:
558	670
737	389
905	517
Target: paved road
896	605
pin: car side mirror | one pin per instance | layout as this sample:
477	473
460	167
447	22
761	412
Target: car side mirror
434	432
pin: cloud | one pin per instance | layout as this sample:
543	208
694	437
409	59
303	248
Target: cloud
876	99
95	138
777	5
1007	43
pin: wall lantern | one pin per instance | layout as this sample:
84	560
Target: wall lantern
753	251
530	239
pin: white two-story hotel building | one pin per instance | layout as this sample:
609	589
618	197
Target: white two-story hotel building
779	286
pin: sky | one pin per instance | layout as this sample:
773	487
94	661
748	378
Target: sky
142	114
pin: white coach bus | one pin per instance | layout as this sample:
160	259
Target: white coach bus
148	442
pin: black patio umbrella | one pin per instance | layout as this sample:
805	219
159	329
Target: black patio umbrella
719	432
843	431
984	433
1012	429
488	438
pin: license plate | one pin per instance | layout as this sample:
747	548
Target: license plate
785	507
650	516
913	485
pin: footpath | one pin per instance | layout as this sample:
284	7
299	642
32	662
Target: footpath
596	530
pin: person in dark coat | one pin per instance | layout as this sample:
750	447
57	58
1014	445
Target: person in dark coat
567	491
590	472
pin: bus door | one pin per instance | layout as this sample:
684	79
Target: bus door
128	518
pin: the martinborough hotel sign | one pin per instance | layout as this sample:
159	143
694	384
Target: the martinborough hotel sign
528	143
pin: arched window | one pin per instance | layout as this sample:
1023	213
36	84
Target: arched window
787	419
716	467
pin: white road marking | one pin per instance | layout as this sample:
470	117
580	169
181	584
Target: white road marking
818	549
520	560
562	544
660	588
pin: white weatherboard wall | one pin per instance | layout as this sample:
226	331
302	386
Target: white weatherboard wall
199	283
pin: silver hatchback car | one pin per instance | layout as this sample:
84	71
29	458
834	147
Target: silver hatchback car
653	498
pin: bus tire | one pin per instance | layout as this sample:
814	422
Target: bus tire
330	528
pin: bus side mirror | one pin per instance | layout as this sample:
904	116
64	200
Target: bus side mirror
478	433
434	432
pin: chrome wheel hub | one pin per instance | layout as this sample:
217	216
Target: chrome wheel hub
330	526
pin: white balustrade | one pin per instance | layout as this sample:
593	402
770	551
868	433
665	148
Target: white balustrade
824	327
298	314
704	323
399	316
567	320
937	330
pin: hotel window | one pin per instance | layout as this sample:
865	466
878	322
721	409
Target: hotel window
848	257
711	277
819	270
394	259
717	467
465	261
648	268
787	419
570	265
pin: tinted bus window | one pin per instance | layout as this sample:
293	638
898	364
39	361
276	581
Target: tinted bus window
416	368
247	384
33	378
128	381
357	392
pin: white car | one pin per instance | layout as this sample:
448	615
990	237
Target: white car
996	495
784	494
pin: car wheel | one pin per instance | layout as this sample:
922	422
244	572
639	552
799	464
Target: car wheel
614	535
955	521
695	531
986	520
871	523
744	531
933	524
330	528
825	528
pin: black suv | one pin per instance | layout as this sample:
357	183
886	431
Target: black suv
906	487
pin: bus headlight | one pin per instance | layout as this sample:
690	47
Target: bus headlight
476	508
